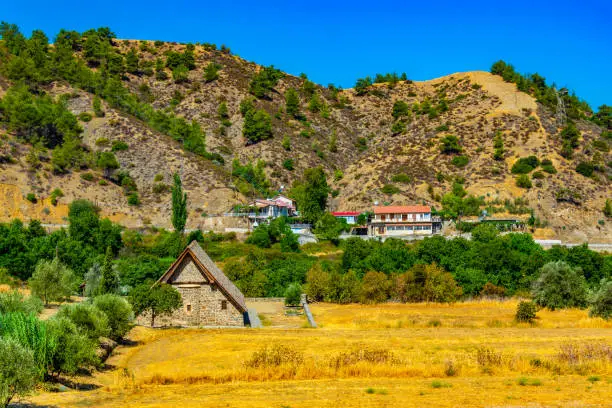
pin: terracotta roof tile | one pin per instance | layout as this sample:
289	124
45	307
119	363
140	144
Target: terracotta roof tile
402	209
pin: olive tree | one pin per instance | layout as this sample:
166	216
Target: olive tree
560	286
18	371
52	281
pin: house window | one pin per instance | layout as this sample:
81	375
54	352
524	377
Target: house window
188	308
383	217
224	305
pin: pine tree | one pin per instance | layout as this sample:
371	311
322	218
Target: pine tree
179	205
110	281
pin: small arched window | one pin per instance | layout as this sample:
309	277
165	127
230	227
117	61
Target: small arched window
224	305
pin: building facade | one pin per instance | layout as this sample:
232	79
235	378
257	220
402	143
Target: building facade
209	297
399	221
349	216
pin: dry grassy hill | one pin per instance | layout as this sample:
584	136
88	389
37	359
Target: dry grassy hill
366	157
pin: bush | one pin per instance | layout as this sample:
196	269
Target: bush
538	175
526	312
585	168
118	312
75	350
491	290
119	145
374	287
450	144
460	161
90	321
18	373
85	117
87	176
288	164
16	302
601	300
133	199
426	283
293	294
317	283
560	286
525	165
389	189
401	178
31	197
523	181
398	127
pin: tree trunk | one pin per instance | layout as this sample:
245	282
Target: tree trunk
152	318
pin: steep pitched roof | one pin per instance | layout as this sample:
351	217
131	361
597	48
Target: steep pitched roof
215	274
402	209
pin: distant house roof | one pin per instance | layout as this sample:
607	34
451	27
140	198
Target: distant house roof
402	209
345	213
211	271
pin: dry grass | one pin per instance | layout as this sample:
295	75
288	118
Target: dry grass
383	355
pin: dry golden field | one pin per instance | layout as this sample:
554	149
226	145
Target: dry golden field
469	354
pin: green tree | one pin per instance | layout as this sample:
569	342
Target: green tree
328	227
107	162
131	62
560	286
293	294
257	126
400	110
601	300
52	281
311	194
374	287
317	283
450	144
159	299
362	85
18	372
89	320
211	72
72	350
607	210
264	81
109	282
292	103
16	302
118	312
179	205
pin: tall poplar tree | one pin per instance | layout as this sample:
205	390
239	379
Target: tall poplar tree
179	205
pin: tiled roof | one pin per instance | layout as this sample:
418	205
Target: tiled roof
345	213
402	209
218	276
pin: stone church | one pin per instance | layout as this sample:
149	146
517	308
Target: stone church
209	297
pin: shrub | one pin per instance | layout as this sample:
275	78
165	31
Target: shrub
90	321
389	189
118	312
525	165
401	178
426	283
119	145
75	350
55	195
538	175
460	161
18	371
87	176
491	290
317	283
607	210
211	72
398	127
133	199
85	117
31	197
288	164
293	294
585	168
559	286
523	181
526	312
16	302
601	300
450	144
374	287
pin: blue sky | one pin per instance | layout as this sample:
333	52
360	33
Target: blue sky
568	42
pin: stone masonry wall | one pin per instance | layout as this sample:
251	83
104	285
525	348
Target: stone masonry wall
202	303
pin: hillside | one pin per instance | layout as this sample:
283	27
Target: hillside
350	135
